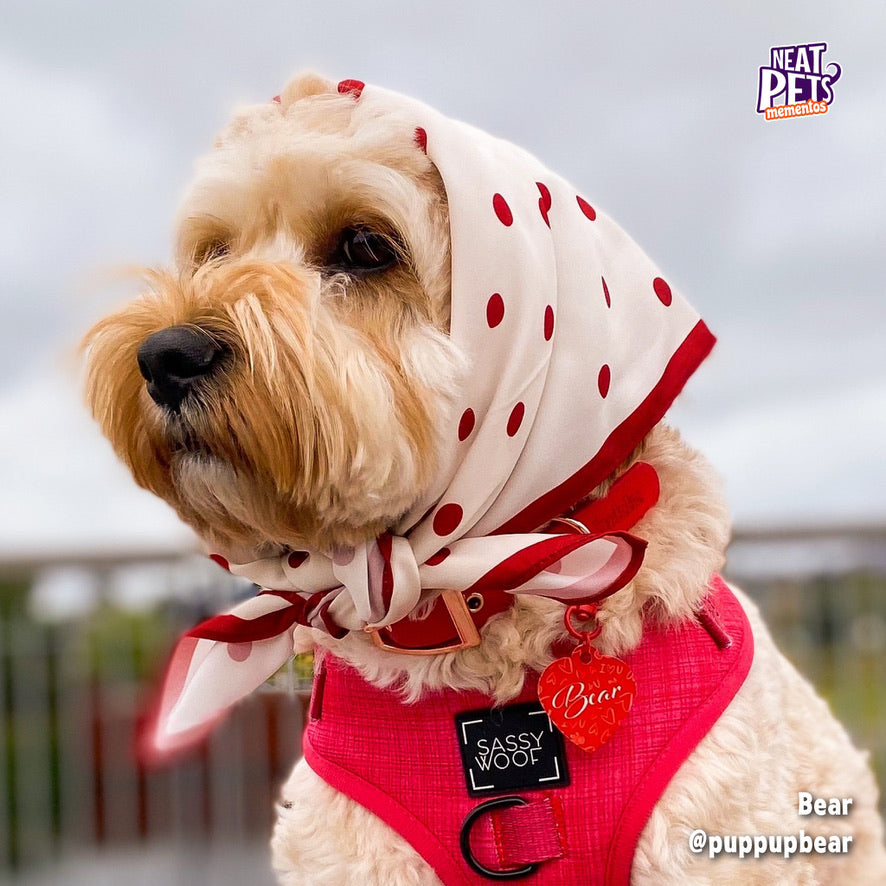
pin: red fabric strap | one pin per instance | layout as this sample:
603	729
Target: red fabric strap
634	493
436	628
529	834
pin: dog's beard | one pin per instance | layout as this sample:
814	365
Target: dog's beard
318	427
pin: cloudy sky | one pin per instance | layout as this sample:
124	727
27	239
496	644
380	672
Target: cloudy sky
774	230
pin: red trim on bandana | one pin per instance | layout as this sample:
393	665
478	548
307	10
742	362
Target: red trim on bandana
622	441
385	545
529	562
233	629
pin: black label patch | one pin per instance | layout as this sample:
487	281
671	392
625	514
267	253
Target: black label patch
510	749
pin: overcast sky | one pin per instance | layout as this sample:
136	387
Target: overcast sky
773	230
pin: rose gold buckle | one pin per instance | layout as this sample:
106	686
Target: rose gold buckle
468	635
578	526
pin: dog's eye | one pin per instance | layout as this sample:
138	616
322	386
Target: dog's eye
362	249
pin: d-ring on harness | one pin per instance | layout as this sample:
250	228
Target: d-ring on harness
465	841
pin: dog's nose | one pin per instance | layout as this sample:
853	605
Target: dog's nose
173	359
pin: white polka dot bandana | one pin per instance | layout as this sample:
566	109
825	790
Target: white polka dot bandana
577	347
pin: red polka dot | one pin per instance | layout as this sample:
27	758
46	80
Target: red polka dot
606	293
296	558
516	419
663	291
549	322
466	424
421	138
276	99
351	87
604	378
586	208
218	559
438	558
495	310
502	210
544	202
239	651
446	520
343	556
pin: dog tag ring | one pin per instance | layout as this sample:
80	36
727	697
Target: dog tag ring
586	694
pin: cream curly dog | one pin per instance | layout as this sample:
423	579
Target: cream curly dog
410	383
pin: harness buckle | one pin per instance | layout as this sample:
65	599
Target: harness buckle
460	616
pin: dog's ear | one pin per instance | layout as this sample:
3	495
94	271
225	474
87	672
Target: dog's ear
304	85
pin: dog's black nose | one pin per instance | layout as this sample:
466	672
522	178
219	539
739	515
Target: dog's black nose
173	359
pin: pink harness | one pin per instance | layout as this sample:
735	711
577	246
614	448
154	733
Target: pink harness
402	762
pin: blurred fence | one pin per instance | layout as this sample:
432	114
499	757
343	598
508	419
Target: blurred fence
71	694
71	690
823	594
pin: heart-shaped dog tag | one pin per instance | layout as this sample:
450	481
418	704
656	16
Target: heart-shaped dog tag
587	695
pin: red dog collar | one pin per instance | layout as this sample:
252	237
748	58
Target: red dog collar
456	618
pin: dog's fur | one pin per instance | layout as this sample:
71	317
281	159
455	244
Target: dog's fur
323	426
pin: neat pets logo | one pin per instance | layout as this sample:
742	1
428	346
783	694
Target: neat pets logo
797	83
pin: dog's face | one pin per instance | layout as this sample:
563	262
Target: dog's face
289	381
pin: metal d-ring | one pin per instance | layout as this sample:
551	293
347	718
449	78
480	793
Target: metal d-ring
465	841
572	523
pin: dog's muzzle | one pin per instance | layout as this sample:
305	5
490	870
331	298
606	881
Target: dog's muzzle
173	360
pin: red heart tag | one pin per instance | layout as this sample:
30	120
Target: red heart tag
587	695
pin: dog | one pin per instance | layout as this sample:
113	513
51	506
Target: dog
394	348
